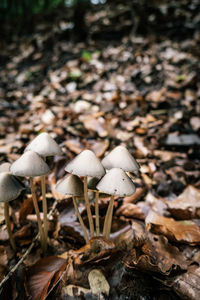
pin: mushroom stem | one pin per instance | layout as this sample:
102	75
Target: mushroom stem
80	219
87	204
97	213
44	208
108	218
7	219
37	214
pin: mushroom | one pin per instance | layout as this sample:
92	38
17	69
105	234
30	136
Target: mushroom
120	157
72	185
92	186
86	164
5	167
116	183
10	189
45	146
30	164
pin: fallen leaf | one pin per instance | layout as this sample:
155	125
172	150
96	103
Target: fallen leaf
178	231
186	205
44	275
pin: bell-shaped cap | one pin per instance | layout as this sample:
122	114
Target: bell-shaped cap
120	157
5	167
117	183
44	145
86	164
70	185
10	187
30	164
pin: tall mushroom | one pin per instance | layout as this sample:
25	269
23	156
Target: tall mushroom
115	183
10	189
72	185
30	164
45	146
86	164
120	157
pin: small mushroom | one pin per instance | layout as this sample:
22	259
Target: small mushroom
92	186
30	164
45	146
5	167
10	189
86	164
116	183
72	185
120	157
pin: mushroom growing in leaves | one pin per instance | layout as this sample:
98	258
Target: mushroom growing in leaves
30	164
10	189
45	146
86	164
72	185
120	157
116	183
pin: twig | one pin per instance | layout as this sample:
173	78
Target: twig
27	251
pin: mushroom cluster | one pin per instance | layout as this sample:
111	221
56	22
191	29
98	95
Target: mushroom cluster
85	173
109	176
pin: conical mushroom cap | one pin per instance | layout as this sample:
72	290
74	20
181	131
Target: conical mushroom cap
30	164
86	164
5	167
117	183
120	157
70	185
10	187
44	145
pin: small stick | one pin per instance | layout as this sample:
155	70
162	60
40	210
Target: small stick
80	219
108	214
97	213
87	204
8	225
44	208
37	213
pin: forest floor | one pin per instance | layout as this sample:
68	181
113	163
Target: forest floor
138	90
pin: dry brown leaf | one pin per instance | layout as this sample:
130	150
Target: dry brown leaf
178	231
25	209
186	205
44	275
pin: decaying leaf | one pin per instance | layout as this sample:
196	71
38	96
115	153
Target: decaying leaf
44	275
178	231
186	205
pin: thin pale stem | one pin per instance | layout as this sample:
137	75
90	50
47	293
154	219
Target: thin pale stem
97	213
80	219
87	204
108	214
35	203
44	208
110	218
8	225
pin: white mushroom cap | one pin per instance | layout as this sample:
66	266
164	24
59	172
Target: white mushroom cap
10	187
92	183
70	185
86	164
5	167
120	157
117	183
44	145
30	164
